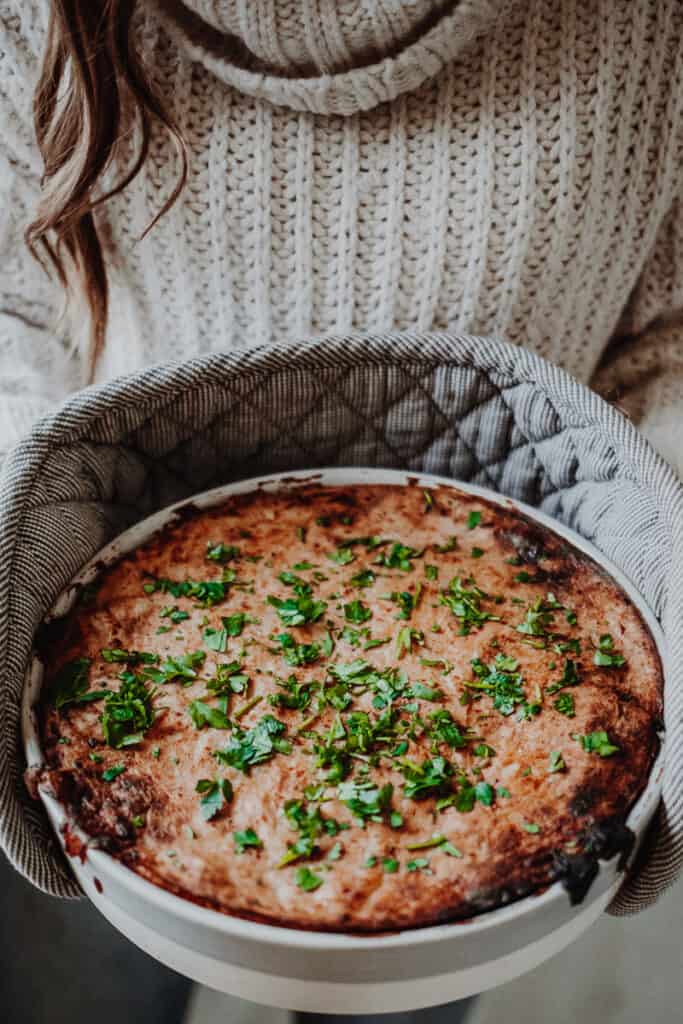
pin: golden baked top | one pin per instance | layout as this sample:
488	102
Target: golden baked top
353	708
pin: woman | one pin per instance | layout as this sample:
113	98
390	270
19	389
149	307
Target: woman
207	174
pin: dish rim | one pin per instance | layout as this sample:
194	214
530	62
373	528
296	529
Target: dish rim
256	931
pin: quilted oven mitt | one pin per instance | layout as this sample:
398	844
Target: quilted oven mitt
470	408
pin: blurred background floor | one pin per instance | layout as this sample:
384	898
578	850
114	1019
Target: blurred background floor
62	963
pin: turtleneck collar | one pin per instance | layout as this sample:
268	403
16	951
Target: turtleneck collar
326	56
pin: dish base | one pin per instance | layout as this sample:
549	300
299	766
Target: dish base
340	998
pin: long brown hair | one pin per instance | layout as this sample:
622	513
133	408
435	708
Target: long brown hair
92	89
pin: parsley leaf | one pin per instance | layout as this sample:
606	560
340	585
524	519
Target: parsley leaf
605	656
405	639
473	519
501	681
307	880
183	668
556	762
222	553
203	715
342	556
565	705
364	578
215	794
115	656
246	839
296	697
431	778
406	601
299	611
399	557
205	593
297	654
596	743
365	800
128	713
113	773
246	749
70	685
444	729
465	603
357	612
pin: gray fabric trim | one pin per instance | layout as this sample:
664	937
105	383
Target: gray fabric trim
471	408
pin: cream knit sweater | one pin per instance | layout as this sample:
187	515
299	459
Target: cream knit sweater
483	166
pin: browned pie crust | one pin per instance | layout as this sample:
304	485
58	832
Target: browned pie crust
552	825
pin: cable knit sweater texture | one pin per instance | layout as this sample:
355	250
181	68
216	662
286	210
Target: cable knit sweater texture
487	166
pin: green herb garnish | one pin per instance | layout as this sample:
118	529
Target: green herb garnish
307	879
246	749
70	685
127	713
596	743
246	840
215	793
605	656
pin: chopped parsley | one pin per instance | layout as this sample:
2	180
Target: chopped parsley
229	678
296	695
216	639
605	655
596	743
215	793
365	800
400	556
357	612
235	623
443	728
501	681
70	685
115	656
298	611
246	749
427	844
205	593
364	578
297	654
342	556
175	614
407	602
431	778
128	713
473	519
222	553
183	669
531	827
405	639
419	864
556	762
465	602
245	840
565	705
205	715
570	677
307	880
390	865
109	774
432	572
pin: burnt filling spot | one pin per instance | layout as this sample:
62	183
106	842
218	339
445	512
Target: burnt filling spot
602	841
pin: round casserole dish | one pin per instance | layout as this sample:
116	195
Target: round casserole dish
327	971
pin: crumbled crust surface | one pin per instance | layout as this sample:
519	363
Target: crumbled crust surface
458	765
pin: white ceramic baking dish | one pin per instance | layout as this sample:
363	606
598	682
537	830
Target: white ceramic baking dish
319	971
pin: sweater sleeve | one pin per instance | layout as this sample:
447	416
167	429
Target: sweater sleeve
37	367
642	370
